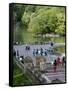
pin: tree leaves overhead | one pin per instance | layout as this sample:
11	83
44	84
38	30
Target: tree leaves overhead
41	19
48	21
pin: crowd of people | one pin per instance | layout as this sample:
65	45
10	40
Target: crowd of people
58	62
39	52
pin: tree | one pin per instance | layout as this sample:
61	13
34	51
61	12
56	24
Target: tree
49	21
60	24
19	11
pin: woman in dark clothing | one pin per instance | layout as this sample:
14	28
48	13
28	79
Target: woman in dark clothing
37	52
63	61
55	65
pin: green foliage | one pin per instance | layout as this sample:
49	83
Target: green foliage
47	21
18	11
38	20
59	50
19	78
18	36
26	18
16	69
60	24
30	8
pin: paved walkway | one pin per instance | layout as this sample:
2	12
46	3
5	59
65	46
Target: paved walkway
23	52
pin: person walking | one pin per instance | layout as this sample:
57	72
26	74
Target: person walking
34	52
63	61
55	65
37	52
58	61
18	54
14	53
41	51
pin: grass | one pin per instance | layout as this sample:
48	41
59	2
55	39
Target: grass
16	69
60	50
59	40
24	37
21	80
27	37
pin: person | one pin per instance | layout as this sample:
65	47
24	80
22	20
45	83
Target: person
45	53
34	52
51	43
63	61
41	51
37	52
27	48
18	54
55	65
22	57
58	61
